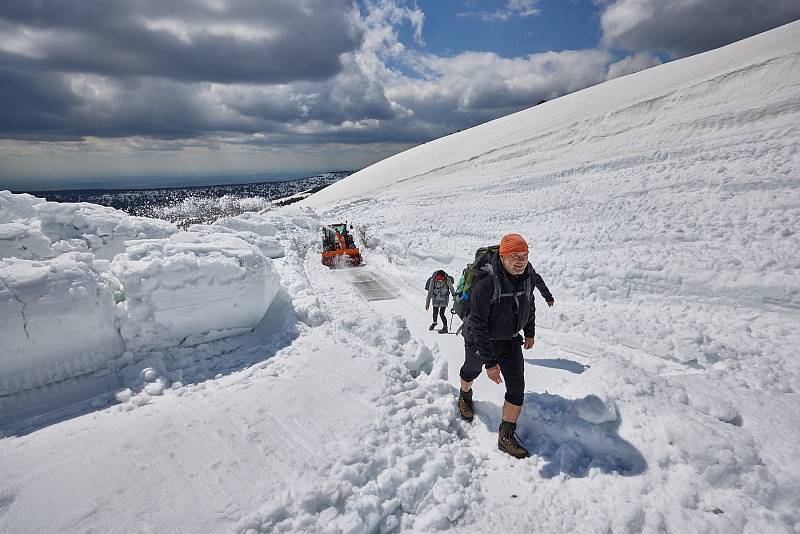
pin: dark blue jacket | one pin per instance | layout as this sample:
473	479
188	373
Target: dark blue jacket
498	313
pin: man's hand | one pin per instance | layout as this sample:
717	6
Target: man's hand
550	303
494	374
427	307
529	341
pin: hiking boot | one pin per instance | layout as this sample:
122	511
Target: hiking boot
432	326
443	330
508	442
465	405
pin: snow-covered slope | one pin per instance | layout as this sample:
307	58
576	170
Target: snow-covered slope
664	206
663	210
662	395
698	102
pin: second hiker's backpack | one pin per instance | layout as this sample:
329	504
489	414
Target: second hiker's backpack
483	256
431	277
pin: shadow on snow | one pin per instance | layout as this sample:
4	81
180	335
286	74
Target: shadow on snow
559	363
561	431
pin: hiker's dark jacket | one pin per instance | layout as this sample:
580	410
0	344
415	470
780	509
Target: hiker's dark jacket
502	320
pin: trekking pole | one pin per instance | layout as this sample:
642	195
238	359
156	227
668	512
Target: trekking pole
452	314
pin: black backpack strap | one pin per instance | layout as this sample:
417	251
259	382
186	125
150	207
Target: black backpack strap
495	283
497	294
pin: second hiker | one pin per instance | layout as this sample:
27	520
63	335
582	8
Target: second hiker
440	287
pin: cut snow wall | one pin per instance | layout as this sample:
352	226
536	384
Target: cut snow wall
191	288
77	292
57	321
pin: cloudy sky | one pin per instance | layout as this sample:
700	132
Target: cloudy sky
96	89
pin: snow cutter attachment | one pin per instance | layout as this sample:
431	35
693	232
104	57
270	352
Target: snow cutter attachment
338	246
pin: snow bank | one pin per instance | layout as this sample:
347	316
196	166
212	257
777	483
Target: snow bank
191	288
33	228
251	222
82	285
104	230
255	228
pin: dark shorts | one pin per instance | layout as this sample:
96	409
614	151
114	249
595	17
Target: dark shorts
512	366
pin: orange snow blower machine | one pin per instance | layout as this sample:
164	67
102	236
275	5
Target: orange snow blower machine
338	246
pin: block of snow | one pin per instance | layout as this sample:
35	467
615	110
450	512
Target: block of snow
14	207
595	410
123	395
191	288
24	240
248	221
270	246
58	321
103	229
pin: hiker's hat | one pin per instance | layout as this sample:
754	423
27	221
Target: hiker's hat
511	243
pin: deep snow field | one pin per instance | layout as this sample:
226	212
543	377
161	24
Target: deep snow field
220	379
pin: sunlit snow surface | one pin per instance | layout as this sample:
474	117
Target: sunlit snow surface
661	396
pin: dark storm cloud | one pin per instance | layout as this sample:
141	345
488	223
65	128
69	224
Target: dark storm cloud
401	131
114	68
300	71
685	27
33	102
265	41
46	106
349	96
161	108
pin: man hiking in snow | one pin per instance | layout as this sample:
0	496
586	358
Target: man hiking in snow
440	287
500	305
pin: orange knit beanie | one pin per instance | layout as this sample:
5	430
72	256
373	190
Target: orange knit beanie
512	243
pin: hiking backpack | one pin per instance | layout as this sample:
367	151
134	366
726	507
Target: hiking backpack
431	277
483	256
